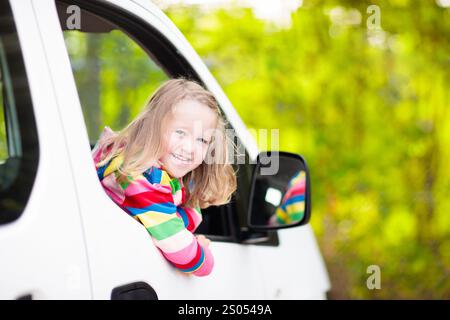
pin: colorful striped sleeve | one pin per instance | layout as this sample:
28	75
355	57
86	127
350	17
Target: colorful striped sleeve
170	226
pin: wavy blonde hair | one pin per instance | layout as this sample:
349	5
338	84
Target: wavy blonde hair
140	144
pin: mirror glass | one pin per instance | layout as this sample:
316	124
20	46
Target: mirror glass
279	196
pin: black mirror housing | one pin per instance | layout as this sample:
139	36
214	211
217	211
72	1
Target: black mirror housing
280	192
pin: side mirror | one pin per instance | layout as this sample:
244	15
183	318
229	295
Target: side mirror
280	192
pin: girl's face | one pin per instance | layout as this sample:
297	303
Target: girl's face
188	134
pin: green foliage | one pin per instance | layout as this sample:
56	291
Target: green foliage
369	110
113	88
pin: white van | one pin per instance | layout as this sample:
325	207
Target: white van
61	236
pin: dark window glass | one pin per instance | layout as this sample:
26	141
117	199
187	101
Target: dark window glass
19	149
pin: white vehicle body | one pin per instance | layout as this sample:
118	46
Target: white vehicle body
72	242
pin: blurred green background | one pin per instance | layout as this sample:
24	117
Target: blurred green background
364	98
369	110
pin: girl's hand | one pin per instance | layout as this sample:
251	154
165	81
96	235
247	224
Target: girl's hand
203	241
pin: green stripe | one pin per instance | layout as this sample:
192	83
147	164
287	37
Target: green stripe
175	184
297	216
166	229
123	184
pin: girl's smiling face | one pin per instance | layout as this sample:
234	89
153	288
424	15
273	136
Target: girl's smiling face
188	134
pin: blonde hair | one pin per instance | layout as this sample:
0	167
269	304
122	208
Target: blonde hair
140	144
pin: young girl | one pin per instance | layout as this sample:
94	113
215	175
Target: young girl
168	163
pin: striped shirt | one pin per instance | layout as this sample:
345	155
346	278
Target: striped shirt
157	200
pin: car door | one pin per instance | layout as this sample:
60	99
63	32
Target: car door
42	249
103	72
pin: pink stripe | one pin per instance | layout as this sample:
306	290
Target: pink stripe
297	189
113	189
177	197
194	216
141	185
96	152
183	256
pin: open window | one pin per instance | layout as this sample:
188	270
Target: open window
118	61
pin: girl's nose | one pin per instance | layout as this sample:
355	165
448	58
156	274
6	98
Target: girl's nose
187	148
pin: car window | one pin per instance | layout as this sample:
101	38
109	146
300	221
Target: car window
117	64
19	148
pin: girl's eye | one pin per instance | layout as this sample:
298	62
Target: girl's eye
181	132
203	141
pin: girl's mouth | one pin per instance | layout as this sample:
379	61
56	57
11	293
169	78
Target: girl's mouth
181	158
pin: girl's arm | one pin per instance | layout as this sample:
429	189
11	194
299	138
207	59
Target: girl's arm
152	205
